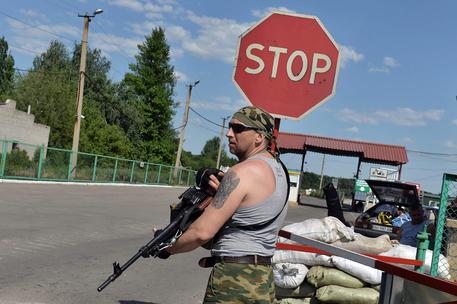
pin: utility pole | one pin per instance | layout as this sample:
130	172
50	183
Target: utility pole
322	174
221	140
80	94
183	126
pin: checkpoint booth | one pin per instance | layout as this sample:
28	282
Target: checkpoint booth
294	192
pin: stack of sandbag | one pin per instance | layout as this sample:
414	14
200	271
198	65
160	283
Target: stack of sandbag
328	285
327	279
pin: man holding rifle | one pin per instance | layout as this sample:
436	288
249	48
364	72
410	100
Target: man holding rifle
243	220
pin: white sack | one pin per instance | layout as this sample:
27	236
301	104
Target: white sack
299	257
328	230
288	275
364	244
364	273
409	252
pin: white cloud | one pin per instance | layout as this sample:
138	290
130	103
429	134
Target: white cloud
398	116
353	129
264	12
450	144
348	53
109	43
379	70
410	117
454	122
154	11
216	38
221	103
34	14
134	5
181	77
38	37
349	115
150	9
144	28
390	62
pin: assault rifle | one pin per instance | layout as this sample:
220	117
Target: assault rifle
193	201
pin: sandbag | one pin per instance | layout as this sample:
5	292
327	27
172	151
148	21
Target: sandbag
328	230
363	244
344	295
319	276
289	275
302	291
299	257
409	252
364	273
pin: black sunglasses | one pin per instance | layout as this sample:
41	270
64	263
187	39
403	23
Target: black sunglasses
238	128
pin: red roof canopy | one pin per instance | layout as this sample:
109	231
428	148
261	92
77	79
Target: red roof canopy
365	151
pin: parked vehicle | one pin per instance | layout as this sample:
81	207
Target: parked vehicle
387	216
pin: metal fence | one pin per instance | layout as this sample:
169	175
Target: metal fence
20	160
446	230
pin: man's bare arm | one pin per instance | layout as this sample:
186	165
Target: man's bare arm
228	184
227	199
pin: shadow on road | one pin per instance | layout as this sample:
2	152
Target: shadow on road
135	302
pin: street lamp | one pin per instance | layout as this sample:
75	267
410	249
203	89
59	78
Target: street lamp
80	94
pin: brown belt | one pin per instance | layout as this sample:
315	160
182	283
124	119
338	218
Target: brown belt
245	259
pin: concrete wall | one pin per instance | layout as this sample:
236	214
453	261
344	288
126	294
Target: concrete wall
19	126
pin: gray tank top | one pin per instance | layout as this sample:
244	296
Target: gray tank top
236	241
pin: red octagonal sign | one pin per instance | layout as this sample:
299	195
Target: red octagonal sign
287	64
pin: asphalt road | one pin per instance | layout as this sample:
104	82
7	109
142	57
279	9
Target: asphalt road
57	244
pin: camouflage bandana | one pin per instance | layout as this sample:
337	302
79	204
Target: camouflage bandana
256	118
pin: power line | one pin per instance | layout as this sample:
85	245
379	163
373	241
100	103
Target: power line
35	26
68	73
432	153
24	49
203	127
221	126
63	6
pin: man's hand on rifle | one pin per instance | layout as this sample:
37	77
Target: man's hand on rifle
163	254
208	179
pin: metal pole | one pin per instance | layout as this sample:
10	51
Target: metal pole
79	100
94	169
275	135
3	161
183	127
40	162
221	139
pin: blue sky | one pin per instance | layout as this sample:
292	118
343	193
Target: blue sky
396	83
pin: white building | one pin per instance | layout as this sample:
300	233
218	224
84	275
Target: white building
20	127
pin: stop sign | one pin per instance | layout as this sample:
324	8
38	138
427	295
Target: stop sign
286	64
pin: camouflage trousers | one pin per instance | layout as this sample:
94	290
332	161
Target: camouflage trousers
240	283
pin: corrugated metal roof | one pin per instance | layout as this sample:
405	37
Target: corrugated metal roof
366	151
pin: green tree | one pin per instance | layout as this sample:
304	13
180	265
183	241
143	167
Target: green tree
208	156
6	69
152	79
97	136
50	90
